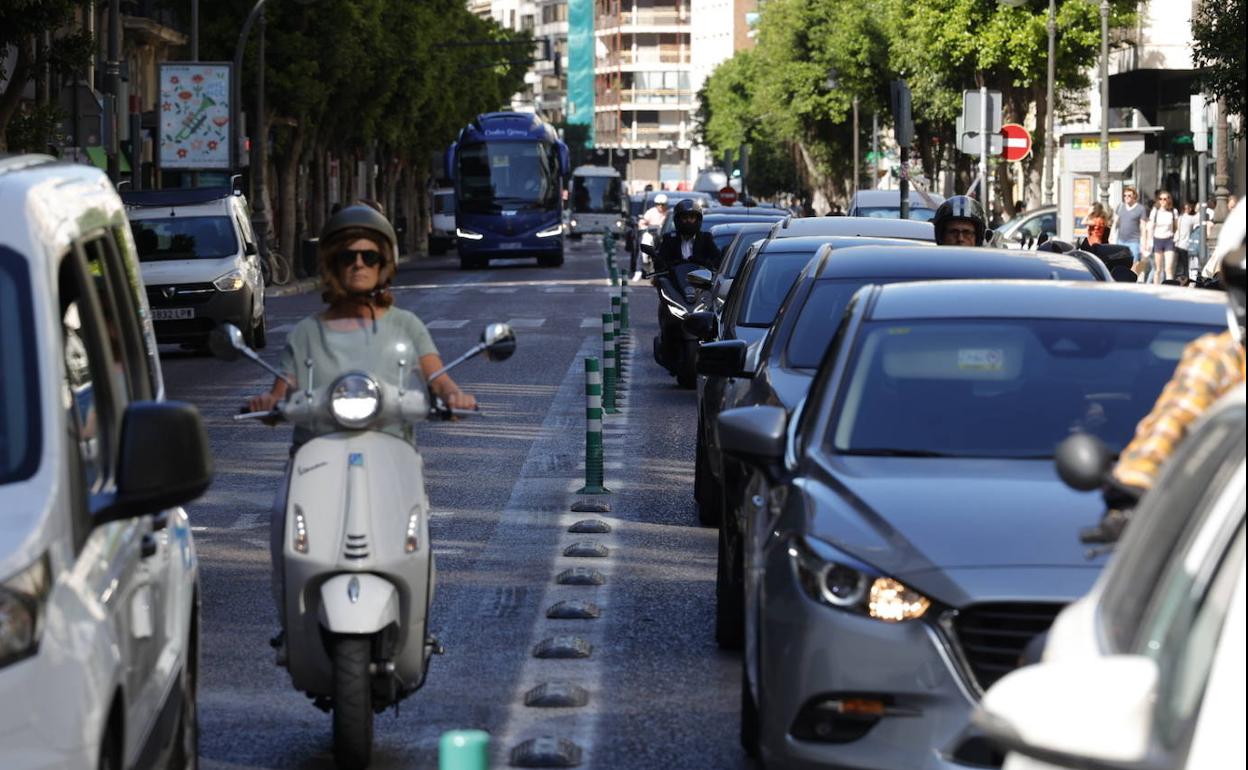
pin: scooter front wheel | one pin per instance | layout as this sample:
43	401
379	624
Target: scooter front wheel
353	702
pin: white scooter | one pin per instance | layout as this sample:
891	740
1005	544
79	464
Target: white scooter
357	562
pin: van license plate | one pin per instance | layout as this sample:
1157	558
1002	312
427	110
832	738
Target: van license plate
509	245
173	314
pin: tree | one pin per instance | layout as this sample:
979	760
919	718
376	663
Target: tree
1218	50
24	57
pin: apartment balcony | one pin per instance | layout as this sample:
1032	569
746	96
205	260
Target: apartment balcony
643	99
646	57
656	20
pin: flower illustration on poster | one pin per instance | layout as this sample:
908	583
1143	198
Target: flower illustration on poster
195	116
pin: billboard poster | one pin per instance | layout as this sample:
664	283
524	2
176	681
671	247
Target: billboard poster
195	115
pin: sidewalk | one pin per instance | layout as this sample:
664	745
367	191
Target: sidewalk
304	285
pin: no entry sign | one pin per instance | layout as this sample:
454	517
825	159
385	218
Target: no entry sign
727	196
1017	142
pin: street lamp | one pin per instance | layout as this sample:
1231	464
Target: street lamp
1104	177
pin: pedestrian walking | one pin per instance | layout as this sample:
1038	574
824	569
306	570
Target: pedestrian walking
1128	222
1185	257
1160	231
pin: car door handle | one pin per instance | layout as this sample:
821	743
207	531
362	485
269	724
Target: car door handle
147	546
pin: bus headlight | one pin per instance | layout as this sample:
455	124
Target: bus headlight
550	232
468	234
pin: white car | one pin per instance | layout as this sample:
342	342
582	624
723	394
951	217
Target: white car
1147	670
1025	230
200	262
99	597
442	235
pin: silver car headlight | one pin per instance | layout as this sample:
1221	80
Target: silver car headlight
21	611
354	400
231	281
840	583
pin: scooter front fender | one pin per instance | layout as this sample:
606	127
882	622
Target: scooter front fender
358	603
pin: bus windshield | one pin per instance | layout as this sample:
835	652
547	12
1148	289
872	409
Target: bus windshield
597	195
498	175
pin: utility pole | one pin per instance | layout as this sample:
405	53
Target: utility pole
1221	164
112	72
855	185
984	146
1104	177
1050	141
875	149
259	206
194	30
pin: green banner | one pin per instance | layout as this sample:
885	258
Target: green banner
581	64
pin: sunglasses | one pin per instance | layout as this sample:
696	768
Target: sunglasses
346	257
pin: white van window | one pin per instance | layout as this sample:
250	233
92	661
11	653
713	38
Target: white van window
184	238
20	430
119	307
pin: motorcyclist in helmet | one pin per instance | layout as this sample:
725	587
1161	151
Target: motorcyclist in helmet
960	221
655	215
687	243
1211	366
359	330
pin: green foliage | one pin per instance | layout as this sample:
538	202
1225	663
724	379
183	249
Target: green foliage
35	129
22	24
1219	30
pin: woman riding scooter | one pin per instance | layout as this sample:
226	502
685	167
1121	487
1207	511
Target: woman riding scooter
357	258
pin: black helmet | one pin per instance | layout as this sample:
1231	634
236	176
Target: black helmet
960	207
682	210
361	216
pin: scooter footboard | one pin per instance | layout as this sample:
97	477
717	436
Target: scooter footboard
358	603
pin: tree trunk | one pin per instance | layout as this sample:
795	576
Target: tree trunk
12	96
289	195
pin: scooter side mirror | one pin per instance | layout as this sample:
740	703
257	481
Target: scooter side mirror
700	279
702	325
1082	461
499	340
226	342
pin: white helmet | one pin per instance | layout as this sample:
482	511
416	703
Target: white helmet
660	200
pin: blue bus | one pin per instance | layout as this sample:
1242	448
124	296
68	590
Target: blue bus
509	171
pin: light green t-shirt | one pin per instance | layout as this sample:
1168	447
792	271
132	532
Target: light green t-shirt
377	349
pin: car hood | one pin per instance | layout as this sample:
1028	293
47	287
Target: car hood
186	270
949	525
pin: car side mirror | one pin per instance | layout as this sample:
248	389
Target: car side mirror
754	434
702	325
1029	711
700	279
164	459
725	358
1082	461
226	342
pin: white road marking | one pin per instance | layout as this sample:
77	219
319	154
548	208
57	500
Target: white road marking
511	290
526	323
591	323
443	323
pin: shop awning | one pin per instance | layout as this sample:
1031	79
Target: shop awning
100	158
1150	90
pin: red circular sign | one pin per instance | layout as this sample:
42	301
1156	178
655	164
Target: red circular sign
1016	142
727	196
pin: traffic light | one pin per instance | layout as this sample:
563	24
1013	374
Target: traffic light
550	53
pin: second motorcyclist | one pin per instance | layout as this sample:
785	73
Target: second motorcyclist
360	329
687	243
959	221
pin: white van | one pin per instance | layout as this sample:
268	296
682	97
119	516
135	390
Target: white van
99	580
598	202
200	262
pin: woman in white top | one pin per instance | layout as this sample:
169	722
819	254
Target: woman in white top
1189	220
1163	226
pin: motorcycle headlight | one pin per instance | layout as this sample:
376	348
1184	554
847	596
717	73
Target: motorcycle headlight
231	281
21	611
354	400
837	582
550	232
411	542
468	234
300	540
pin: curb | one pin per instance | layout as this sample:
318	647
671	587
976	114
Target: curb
304	285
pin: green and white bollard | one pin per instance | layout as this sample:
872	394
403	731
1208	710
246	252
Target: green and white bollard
610	366
464	750
593	430
615	332
613	273
624	310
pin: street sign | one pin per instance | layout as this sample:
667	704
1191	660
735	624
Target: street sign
968	139
1017	142
727	196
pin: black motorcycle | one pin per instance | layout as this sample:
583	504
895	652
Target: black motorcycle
675	349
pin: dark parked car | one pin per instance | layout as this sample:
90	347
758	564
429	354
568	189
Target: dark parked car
734	241
867	227
791	351
912	537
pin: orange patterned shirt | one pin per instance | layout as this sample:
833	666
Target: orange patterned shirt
1211	366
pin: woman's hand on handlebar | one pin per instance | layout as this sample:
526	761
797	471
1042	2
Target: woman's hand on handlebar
263	402
460	401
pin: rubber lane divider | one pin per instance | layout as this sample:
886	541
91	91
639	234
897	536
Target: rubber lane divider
593	430
624	309
620	374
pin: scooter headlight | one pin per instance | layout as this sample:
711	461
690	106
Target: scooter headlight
300	542
354	400
411	542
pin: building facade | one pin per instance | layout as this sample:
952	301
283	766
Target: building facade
644	99
722	28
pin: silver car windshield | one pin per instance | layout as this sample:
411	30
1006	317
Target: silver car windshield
210	237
